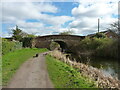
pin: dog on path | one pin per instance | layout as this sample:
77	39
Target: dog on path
36	55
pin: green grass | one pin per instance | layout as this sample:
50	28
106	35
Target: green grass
12	61
64	76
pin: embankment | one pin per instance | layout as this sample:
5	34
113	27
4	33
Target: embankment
94	74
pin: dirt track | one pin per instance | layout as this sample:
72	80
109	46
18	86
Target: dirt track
32	74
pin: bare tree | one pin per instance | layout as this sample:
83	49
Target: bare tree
114	27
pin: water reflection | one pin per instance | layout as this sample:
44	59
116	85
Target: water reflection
107	66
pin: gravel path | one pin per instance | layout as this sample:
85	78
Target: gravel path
32	74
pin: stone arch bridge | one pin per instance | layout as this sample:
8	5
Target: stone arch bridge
66	42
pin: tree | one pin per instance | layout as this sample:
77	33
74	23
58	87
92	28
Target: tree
114	27
17	34
66	32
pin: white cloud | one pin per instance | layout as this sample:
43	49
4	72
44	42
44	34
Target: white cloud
88	2
21	11
57	20
24	24
88	12
18	13
95	10
84	20
13	12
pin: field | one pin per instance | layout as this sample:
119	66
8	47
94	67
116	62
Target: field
13	60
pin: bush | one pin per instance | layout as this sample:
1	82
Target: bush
100	35
90	44
27	42
85	44
102	47
8	46
54	45
109	49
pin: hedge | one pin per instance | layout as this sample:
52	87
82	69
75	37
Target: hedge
8	46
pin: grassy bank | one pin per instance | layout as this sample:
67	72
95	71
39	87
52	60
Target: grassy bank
12	61
64	76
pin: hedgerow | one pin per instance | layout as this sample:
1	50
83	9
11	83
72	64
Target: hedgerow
8	46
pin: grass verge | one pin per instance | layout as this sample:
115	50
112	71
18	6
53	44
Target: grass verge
12	61
64	76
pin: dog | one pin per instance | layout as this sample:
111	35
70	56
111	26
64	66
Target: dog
36	55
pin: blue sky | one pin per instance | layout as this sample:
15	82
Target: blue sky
65	8
47	18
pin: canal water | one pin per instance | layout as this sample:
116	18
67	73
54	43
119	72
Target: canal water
107	66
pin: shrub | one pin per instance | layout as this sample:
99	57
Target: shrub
108	49
54	45
8	46
27	42
85	44
102	47
100	35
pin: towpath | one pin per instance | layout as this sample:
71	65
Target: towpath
32	74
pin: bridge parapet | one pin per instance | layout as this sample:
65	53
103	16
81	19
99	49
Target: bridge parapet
63	37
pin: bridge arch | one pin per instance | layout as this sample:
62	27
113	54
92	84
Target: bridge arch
63	45
66	42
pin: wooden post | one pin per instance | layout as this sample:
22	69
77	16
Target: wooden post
98	24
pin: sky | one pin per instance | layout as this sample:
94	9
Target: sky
48	18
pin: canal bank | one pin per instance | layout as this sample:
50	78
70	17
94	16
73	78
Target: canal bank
94	74
109	66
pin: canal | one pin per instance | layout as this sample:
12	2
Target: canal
107	66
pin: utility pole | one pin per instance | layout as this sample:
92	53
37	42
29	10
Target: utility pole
98	24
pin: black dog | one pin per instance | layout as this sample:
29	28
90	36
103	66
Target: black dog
36	55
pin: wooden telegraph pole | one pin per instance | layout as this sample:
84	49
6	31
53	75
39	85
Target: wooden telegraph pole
98	24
